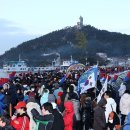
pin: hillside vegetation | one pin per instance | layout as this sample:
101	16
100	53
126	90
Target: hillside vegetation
80	43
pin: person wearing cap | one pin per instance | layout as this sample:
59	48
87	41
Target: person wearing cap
20	121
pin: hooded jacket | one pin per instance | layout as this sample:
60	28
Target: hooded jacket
30	106
56	91
110	106
23	122
76	105
44	98
99	115
125	104
51	98
68	115
13	95
57	118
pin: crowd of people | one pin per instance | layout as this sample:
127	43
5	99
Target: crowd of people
41	101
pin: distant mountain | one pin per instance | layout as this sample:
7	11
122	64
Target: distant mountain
80	43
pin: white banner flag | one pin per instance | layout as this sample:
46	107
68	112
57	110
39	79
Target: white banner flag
103	90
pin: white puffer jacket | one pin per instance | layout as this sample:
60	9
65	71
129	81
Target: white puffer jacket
30	106
125	104
110	106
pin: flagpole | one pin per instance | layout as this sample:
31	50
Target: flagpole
96	83
103	90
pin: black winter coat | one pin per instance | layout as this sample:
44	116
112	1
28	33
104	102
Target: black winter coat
49	118
57	119
13	95
99	118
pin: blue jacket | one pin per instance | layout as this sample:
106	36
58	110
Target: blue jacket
44	98
127	125
1	97
2	105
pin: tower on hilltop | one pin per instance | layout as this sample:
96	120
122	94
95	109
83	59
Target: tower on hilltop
80	23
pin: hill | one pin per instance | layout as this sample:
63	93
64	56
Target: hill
80	43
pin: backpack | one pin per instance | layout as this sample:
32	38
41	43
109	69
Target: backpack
115	119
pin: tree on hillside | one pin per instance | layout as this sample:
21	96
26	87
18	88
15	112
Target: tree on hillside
80	40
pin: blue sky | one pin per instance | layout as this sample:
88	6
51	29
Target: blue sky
22	20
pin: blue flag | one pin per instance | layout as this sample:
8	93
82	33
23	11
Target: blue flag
62	80
88	79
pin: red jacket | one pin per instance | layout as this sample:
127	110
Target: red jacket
22	122
68	115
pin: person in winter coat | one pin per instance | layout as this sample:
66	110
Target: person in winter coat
26	97
75	89
110	106
57	119
12	96
124	105
44	97
5	124
86	112
56	91
40	90
68	116
72	92
45	121
20	120
99	115
51	97
63	98
31	103
20	95
122	89
5	92
76	105
2	105
127	124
